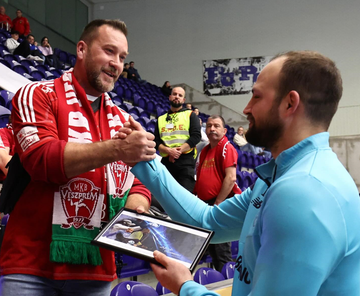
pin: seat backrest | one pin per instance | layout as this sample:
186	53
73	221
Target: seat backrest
205	276
228	270
132	288
161	290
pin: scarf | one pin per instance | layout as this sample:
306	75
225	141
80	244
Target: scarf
220	154
80	205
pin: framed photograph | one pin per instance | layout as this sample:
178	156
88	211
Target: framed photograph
139	235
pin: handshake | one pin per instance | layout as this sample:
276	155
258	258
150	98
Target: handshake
134	143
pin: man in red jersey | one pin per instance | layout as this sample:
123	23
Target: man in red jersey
7	146
21	24
64	134
5	20
216	178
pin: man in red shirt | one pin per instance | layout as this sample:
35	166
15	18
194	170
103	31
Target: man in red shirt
7	146
216	178
64	135
5	20
21	24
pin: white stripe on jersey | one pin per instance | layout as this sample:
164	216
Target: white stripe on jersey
25	100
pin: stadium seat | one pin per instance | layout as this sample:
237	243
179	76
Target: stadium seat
132	288
38	75
131	266
228	270
5	97
120	91
206	275
234	249
161	290
43	68
117	101
72	60
4	116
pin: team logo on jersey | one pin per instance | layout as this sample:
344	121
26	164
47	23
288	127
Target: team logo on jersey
79	199
119	173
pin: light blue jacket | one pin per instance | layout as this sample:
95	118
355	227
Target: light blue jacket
299	226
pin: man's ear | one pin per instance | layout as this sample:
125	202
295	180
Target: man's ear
291	102
81	49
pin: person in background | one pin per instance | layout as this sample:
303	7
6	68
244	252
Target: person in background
239	138
166	89
5	20
177	133
12	43
125	71
298	226
64	132
21	24
188	106
50	58
216	179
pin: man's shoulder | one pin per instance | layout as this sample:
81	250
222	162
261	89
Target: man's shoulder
46	88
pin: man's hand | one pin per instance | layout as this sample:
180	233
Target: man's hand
172	275
135	144
174	152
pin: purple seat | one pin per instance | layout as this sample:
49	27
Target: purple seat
117	101
128	94
131	266
150	106
62	55
205	276
38	75
20	69
160	111
143	121
132	288
4	116
5	63
5	97
120	91
234	249
43	68
72	59
161	290
112	94
228	270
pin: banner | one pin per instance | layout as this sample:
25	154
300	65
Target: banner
232	76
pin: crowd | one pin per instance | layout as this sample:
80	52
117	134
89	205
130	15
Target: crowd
86	159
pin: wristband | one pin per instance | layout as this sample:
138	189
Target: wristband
183	285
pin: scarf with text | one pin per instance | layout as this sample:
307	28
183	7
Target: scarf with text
81	204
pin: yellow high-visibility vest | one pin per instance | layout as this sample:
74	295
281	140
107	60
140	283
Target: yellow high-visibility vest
174	133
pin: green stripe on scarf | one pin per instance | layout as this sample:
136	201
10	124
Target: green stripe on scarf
73	245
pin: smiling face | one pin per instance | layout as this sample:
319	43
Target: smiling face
103	60
265	125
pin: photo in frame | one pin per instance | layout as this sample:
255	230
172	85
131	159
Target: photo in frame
139	235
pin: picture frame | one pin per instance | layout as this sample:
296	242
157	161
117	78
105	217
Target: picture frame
139	235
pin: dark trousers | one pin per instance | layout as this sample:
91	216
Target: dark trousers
220	253
183	170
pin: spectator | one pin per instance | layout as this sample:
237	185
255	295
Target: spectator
239	138
133	74
7	147
176	134
5	20
125	72
216	178
21	24
298	225
188	106
64	134
196	111
12	43
28	49
166	88
204	139
50	58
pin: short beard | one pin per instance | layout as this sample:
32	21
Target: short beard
96	83
269	134
175	105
